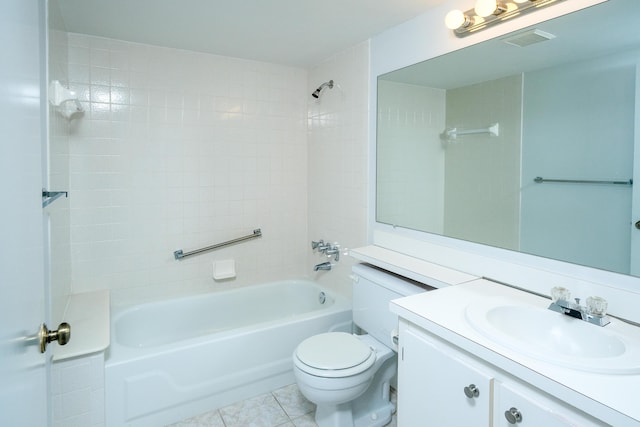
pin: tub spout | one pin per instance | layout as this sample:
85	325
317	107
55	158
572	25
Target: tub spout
322	266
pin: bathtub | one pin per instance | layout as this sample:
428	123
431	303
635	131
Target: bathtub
174	359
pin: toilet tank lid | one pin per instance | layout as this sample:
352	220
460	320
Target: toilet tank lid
333	350
400	285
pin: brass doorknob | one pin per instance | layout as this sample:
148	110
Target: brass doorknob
62	335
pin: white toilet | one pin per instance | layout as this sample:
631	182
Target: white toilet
348	376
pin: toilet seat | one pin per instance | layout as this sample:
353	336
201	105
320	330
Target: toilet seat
334	354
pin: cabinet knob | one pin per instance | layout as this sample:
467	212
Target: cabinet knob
513	416
471	391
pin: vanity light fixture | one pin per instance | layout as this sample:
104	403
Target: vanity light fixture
485	8
489	12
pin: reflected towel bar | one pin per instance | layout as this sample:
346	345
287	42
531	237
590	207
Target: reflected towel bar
540	180
453	133
179	254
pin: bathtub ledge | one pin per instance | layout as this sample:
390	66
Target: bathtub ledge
88	315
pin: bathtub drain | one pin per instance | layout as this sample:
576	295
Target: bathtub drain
322	298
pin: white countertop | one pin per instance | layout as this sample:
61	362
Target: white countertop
88	315
610	397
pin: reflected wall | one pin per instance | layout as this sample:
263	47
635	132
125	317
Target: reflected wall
565	111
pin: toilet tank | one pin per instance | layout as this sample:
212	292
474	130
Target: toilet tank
373	289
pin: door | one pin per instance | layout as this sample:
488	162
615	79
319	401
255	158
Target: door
23	369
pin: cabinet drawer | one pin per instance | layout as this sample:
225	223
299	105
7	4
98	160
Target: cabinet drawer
516	405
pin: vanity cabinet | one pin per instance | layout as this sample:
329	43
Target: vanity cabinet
432	385
441	385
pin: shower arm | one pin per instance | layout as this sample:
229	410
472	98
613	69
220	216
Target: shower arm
318	91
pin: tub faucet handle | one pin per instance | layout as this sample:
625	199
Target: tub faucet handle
320	246
324	247
333	250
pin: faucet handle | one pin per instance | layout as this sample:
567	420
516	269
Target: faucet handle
560	293
333	250
597	306
315	244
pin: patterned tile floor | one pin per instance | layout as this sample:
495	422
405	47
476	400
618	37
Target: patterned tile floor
285	407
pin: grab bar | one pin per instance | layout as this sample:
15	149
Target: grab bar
539	180
179	254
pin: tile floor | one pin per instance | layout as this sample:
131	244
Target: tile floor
285	407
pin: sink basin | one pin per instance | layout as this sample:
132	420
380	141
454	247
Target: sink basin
553	337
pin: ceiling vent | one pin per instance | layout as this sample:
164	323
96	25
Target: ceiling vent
527	38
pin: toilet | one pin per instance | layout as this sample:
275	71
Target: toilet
348	376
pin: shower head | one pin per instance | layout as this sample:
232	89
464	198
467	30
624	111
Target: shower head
316	93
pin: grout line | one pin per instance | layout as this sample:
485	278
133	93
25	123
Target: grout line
221	417
280	405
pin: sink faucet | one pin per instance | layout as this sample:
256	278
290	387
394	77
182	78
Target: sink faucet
322	266
594	312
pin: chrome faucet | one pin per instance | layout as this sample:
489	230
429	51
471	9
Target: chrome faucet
322	266
333	250
329	249
320	246
594	312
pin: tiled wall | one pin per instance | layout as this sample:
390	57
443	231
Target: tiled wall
410	156
180	150
477	162
338	153
77	387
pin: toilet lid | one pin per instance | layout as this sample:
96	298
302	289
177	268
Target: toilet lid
333	350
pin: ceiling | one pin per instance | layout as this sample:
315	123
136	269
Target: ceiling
299	33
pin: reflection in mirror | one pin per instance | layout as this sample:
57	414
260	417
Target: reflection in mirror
463	140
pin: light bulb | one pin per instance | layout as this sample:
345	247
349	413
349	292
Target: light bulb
485	8
454	19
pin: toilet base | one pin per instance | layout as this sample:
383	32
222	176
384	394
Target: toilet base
334	415
342	416
379	418
372	409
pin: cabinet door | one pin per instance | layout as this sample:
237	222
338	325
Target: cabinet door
433	382
516	405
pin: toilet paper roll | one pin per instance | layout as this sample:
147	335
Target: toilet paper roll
395	335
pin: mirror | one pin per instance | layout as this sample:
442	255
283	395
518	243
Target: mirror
523	142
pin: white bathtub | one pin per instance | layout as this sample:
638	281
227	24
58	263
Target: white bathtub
174	359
